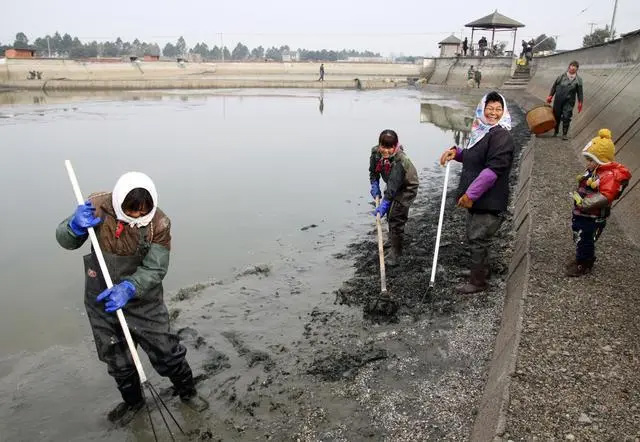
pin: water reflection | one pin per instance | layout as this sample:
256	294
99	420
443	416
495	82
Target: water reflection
321	105
457	120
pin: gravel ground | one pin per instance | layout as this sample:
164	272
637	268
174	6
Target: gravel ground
577	368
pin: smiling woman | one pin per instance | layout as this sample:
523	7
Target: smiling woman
484	182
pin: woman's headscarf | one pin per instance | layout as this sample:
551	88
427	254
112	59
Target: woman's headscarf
480	127
126	183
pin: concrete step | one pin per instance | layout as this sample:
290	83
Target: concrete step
517	82
513	86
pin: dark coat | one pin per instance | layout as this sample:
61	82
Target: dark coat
493	151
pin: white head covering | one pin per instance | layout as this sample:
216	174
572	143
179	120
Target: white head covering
480	127
126	183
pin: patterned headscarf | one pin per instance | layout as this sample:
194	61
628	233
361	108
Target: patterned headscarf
480	127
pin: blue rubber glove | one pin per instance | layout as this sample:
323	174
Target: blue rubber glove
83	218
375	189
383	208
117	296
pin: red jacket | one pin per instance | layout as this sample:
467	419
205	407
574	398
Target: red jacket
600	188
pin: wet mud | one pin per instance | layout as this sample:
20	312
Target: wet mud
284	350
346	374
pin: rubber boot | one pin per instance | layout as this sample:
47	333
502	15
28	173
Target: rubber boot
565	130
133	401
395	252
579	268
186	389
477	281
487	272
557	129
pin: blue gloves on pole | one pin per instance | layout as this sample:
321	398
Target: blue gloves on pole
383	208
83	218
375	189
117	296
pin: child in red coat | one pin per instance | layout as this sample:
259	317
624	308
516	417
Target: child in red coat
602	182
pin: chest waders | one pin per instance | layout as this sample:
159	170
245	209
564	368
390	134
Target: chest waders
148	321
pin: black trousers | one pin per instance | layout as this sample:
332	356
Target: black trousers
481	227
586	232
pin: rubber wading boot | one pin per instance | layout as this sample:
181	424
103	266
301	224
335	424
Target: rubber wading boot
124	413
477	282
393	258
579	268
565	131
194	401
185	387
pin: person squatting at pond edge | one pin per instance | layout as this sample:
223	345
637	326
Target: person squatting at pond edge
135	238
389	161
602	182
565	89
484	182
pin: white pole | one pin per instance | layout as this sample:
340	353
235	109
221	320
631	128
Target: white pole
435	252
613	19
105	273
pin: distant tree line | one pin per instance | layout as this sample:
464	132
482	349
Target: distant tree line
68	46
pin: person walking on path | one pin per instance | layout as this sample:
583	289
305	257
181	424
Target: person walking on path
389	162
321	78
484	182
465	46
135	238
563	92
602	182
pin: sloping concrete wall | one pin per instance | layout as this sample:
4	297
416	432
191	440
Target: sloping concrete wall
611	76
452	71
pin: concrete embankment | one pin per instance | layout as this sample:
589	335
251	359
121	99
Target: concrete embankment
452	71
611	75
565	360
59	74
79	75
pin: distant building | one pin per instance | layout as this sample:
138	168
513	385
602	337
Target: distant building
20	53
289	56
368	60
149	57
450	46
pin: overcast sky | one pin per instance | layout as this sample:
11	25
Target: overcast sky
409	27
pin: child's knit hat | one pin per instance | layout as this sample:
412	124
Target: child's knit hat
601	148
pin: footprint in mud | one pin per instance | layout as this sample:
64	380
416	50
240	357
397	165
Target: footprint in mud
253	357
191	336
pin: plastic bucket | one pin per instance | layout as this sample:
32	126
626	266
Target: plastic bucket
540	119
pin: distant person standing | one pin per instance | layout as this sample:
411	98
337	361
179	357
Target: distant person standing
477	76
563	93
465	46
321	78
482	44
471	76
524	49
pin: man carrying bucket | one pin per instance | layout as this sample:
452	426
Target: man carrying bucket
565	89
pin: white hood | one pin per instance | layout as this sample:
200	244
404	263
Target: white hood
126	183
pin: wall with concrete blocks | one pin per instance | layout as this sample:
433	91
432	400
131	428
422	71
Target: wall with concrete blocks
453	71
611	76
490	420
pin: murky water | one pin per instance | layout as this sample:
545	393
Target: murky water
240	173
